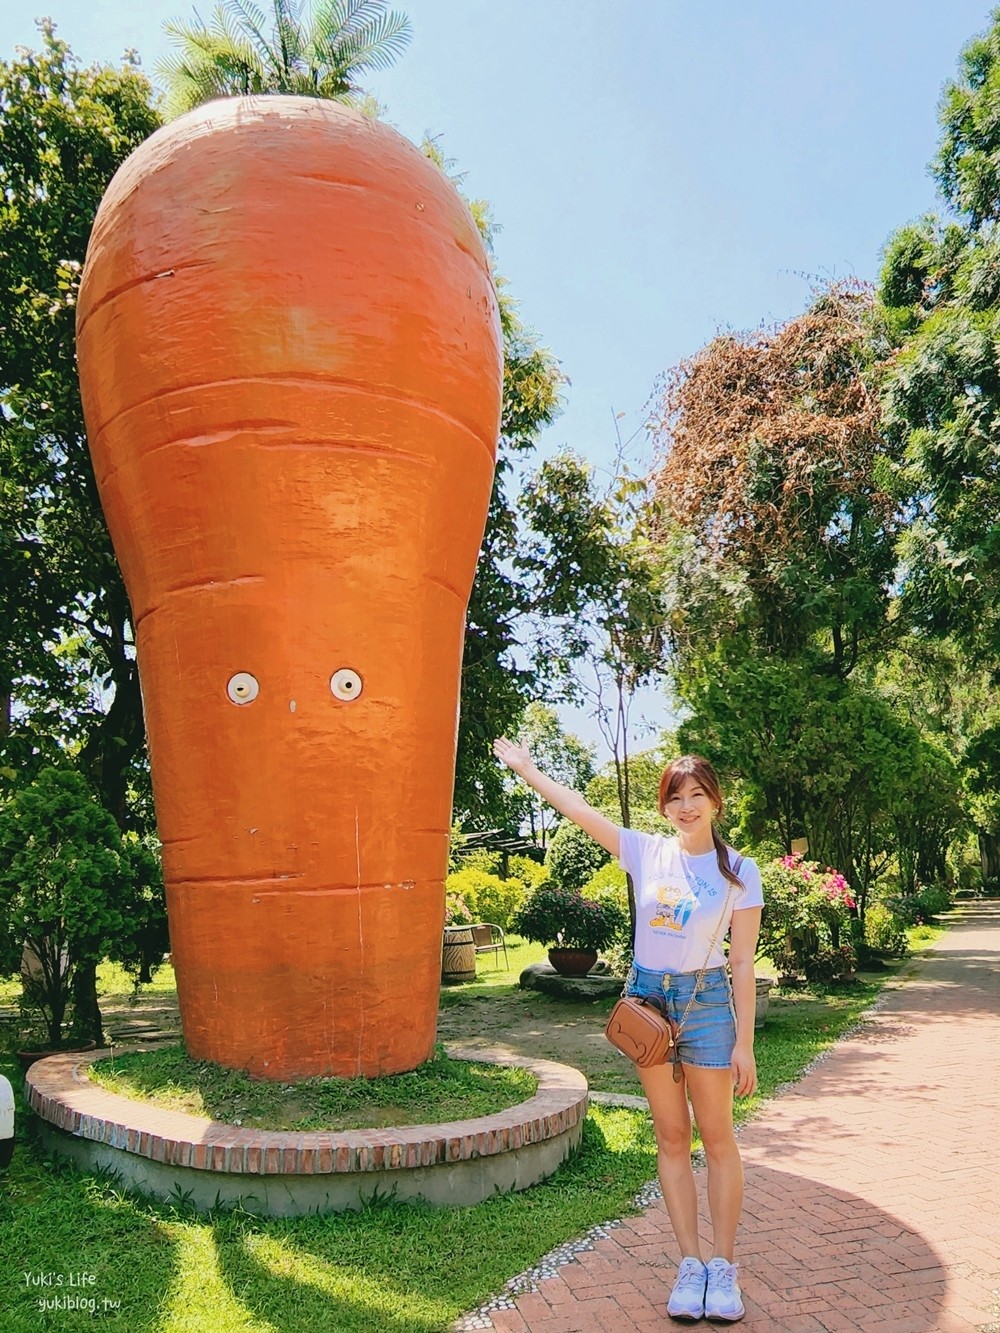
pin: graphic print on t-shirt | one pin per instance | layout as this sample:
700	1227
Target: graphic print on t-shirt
676	902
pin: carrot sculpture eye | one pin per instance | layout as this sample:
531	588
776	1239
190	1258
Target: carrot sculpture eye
242	688
346	684
290	360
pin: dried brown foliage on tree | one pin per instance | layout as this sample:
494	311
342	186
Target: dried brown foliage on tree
766	437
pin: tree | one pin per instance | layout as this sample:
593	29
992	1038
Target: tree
501	669
781	522
594	556
496	684
645	770
68	678
778	528
143	938
940	289
928	817
952	701
828	760
318	51
573	856
63	883
564	757
940	286
67	668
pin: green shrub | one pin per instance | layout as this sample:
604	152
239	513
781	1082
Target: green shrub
884	933
610	885
830	964
525	869
573	856
934	899
480	859
618	955
609	877
499	900
464	884
487	897
913	909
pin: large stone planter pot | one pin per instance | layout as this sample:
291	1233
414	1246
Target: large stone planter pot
790	981
572	962
764	987
27	1058
280	1173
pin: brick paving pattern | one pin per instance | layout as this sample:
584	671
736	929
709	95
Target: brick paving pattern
873	1193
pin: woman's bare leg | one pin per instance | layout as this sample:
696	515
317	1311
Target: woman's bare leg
672	1125
712	1099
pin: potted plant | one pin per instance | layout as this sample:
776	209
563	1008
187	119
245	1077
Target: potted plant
574	927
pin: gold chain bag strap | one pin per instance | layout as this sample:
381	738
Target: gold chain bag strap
641	1031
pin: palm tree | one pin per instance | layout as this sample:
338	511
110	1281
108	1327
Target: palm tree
314	54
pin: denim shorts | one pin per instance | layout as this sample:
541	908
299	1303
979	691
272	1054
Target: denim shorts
708	1034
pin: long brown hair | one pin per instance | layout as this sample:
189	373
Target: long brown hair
694	766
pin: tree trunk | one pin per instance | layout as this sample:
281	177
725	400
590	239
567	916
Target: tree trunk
86	1025
107	757
112	747
624	801
989	853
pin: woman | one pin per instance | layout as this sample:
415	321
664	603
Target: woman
687	897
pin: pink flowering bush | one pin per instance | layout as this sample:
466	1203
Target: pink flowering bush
456	910
806	908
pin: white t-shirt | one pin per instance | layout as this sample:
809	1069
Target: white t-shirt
679	901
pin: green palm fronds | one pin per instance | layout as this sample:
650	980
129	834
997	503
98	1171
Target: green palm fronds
312	51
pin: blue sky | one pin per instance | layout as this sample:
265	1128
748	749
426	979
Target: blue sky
659	168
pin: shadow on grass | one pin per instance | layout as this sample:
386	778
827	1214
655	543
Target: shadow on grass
392	1268
73	1250
395	1267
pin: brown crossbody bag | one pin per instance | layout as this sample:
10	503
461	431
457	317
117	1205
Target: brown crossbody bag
641	1031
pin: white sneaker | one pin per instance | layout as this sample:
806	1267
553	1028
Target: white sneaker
687	1300
723	1300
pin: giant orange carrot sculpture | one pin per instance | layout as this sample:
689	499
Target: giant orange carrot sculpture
290	359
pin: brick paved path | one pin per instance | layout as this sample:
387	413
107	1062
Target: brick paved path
873	1190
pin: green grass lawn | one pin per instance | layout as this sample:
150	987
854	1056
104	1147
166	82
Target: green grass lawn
394	1268
441	1089
493	973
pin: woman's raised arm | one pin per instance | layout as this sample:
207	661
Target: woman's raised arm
564	799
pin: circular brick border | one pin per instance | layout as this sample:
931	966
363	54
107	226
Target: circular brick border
458	1162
